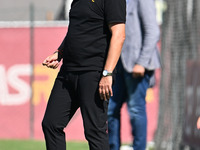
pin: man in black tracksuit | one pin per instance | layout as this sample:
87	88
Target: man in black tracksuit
90	51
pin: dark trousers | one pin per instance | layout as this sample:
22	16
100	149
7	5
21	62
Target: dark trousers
73	90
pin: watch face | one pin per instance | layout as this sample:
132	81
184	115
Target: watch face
105	73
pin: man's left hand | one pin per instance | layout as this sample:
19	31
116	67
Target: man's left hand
138	71
105	88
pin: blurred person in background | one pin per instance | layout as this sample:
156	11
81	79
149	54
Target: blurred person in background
90	51
135	72
198	123
67	8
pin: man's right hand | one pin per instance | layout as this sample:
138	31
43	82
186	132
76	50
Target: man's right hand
51	61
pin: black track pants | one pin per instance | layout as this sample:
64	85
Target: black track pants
73	90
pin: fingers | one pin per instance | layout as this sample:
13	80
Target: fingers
110	91
56	66
45	62
137	75
105	90
101	92
138	71
107	94
52	64
104	94
51	61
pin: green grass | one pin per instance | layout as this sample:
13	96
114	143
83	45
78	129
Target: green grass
40	145
37	145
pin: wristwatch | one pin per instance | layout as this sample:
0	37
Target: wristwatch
106	73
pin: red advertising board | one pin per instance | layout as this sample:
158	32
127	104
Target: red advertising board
15	87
